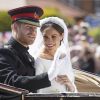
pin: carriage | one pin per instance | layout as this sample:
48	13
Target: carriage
88	85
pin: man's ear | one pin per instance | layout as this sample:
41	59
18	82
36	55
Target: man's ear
11	26
14	26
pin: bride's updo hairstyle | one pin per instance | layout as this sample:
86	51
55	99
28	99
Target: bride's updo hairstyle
53	25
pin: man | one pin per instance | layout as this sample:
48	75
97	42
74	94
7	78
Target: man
16	64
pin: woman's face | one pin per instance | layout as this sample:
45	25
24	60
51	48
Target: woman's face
51	38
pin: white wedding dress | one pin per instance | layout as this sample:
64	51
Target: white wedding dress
42	65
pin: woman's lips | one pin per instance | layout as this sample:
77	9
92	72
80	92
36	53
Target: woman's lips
50	45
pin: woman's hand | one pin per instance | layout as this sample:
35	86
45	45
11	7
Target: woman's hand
64	80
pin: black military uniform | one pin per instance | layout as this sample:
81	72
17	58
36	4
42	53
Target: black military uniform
17	68
16	64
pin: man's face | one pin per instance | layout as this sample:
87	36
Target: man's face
25	33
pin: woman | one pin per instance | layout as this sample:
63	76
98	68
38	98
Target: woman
54	53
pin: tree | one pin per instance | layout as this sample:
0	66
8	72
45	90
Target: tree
5	21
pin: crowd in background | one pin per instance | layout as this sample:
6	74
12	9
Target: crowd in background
85	54
4	37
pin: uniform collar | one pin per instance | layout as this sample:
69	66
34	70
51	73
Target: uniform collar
16	45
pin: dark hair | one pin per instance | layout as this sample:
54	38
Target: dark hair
53	25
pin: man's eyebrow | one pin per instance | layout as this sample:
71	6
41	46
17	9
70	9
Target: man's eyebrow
31	25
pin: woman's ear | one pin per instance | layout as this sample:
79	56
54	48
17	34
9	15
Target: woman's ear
62	36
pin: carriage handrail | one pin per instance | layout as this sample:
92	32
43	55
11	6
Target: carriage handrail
12	89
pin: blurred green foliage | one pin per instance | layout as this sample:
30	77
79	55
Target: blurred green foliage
95	33
49	11
5	21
